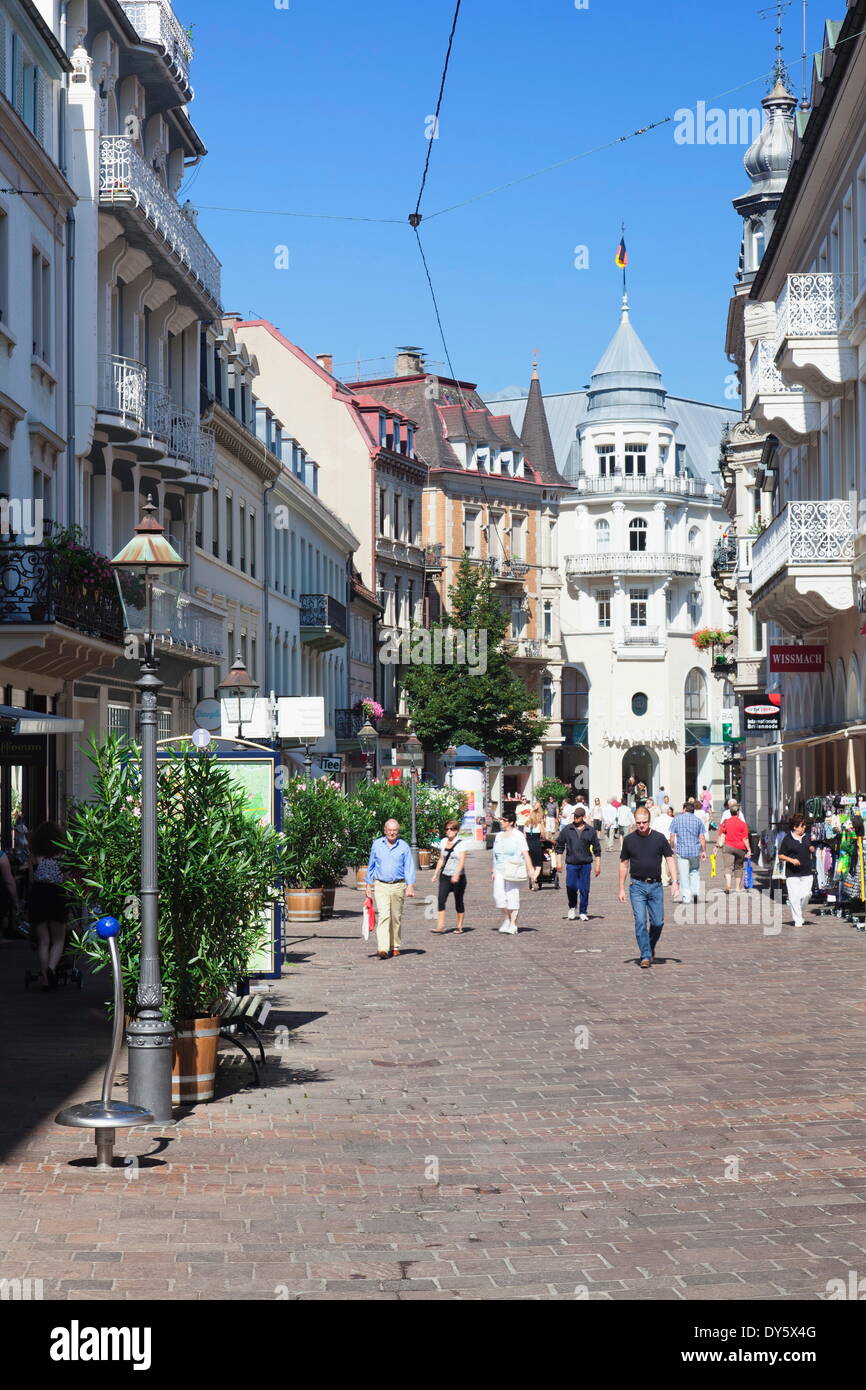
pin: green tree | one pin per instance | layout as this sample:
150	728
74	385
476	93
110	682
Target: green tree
459	703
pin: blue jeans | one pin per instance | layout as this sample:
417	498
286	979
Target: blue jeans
647	898
577	881
690	880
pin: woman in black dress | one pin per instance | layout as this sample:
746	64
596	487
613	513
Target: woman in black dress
47	907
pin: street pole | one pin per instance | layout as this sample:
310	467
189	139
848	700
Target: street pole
414	835
149	1037
308	762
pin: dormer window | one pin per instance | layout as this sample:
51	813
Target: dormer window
383	431
410	441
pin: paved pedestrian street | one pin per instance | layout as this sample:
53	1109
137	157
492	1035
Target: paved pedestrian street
486	1117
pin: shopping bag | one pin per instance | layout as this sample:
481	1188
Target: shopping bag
368	923
712	866
747	874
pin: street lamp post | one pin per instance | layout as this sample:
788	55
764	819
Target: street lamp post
238	693
449	757
414	749
368	738
149	610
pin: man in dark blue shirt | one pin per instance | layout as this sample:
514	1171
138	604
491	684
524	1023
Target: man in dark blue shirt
390	880
643	851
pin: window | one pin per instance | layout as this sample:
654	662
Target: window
696	695
606	455
638	600
547	619
669	606
119	721
396	516
410	520
229	530
215	521
637	534
695	538
518	617
163	723
635	460
639	703
547	698
470	540
4	266
410	602
602	536
602	605
199	522
242	537
757	634
397	601
232	651
253	658
694	606
253	547
382	511
41	289
518	537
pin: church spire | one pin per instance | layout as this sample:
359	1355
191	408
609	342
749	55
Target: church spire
535	435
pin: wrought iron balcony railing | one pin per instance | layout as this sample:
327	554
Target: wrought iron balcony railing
433	557
156	22
123	389
323	611
127	180
188	441
804	533
347	723
36	588
725	554
813	305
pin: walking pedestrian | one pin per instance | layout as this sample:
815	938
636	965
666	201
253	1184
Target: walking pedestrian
630	789
796	853
390	881
511	867
578	843
624	819
451	872
734	840
566	811
551	817
597	818
47	907
706	800
690	847
534	832
608	820
642	852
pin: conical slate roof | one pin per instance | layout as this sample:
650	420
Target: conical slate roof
535	435
626	384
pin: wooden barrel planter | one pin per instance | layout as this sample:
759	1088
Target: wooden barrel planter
304	904
194	1063
328	898
424	858
361	876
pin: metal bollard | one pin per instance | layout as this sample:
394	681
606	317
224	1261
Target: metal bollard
105	1116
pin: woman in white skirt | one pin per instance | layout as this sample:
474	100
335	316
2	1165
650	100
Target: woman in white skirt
511	867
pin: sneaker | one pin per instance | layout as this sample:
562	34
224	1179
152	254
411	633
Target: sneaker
508	929
572	914
583	917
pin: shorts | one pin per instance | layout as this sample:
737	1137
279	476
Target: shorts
446	887
738	855
506	893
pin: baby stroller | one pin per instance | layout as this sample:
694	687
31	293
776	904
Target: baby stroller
549	871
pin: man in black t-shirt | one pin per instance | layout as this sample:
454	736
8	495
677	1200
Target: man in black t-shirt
642	852
579	843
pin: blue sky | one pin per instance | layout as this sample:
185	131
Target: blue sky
322	107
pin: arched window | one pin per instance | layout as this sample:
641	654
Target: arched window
696	695
637	534
695	538
602	535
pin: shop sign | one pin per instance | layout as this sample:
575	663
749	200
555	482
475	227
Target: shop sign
761	716
23	750
795	659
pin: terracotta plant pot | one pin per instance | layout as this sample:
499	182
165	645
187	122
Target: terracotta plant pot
328	896
424	858
194	1063
304	904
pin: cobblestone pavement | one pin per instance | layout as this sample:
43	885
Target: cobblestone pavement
488	1117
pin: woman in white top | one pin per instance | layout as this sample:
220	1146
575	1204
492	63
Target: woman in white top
452	858
511	867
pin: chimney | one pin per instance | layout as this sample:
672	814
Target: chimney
409	362
326	360
231	318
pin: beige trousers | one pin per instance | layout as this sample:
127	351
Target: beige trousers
389	898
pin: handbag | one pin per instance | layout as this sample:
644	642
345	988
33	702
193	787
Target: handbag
368	923
747	874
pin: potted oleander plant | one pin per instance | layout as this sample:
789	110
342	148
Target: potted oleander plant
316	844
219	872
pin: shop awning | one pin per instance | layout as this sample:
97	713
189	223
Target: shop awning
846	731
14	720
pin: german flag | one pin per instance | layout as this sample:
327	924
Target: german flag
622	255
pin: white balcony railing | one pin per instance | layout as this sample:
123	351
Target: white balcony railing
156	21
657	483
804	533
813	305
765	379
123	388
633	562
639	637
127	180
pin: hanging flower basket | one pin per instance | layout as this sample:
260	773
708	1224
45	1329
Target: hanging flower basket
711	637
370	709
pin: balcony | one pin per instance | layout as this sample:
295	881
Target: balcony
347	723
197	634
509	571
323	622
811	348
640	644
433	558
49	624
787	411
632	562
658	484
725	555
525	649
802	573
121	399
152	218
189	455
156	22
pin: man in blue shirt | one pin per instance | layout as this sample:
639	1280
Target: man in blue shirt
390	880
689	844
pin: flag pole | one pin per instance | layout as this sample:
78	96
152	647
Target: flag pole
624	288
